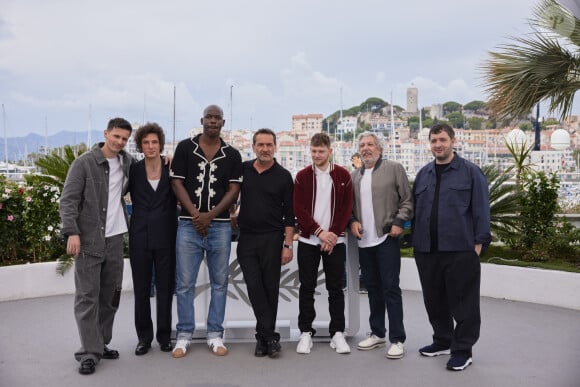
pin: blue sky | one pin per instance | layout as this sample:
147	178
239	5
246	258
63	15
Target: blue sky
123	58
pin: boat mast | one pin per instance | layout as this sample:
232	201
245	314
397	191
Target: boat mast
173	143
393	126
5	140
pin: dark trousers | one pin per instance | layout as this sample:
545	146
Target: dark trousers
450	283
381	267
309	257
142	263
259	256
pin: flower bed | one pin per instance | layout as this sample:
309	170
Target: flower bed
29	222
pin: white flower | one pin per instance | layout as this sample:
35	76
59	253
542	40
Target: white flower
47	237
50	228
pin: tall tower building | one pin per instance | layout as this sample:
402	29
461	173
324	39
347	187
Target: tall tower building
412	94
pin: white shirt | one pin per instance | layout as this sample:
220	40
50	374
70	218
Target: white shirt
322	205
369	235
116	223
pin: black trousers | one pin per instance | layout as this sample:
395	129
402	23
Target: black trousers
260	257
309	257
142	262
451	284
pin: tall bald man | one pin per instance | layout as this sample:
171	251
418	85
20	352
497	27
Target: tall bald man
206	175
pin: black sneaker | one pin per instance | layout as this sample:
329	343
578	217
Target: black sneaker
87	367
274	348
261	348
459	362
434	350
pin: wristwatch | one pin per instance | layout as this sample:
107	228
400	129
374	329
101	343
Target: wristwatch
288	246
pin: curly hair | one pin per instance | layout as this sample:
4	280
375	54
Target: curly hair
148	128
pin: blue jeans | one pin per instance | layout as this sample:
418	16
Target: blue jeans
381	267
190	248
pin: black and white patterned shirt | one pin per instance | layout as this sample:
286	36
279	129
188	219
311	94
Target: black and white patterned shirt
206	181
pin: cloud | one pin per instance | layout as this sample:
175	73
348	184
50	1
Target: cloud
283	58
300	80
249	102
380	77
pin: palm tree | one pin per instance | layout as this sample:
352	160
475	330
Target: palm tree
542	66
520	153
504	203
54	167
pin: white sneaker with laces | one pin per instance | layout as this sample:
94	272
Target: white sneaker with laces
371	342
305	343
216	345
180	348
396	351
339	343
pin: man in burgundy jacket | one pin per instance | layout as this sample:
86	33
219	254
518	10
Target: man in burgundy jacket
322	205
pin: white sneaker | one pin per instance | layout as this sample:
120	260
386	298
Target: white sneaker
396	351
339	343
305	343
216	345
180	348
371	342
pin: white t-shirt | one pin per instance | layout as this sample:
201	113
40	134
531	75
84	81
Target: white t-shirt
154	183
369	235
116	223
322	206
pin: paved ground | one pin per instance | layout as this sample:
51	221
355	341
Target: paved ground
521	344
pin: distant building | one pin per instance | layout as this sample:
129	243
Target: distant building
348	124
381	124
552	160
436	111
572	122
412	96
309	122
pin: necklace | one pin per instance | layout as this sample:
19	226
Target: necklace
153	171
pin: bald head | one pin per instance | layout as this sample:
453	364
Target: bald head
212	121
213	109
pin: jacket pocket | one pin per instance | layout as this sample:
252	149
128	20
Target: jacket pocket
459	195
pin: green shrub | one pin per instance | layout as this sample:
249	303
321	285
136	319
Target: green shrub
29	222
